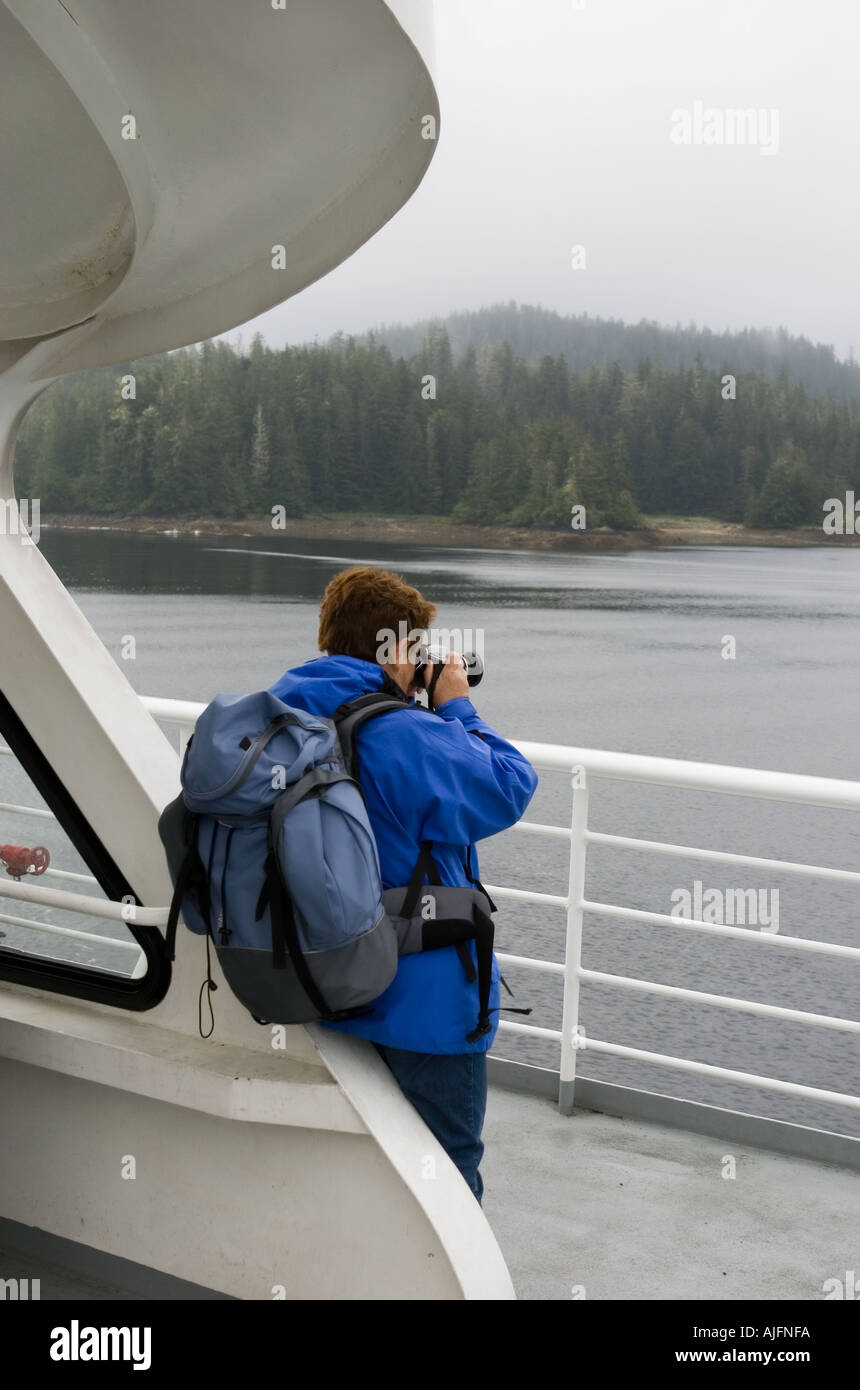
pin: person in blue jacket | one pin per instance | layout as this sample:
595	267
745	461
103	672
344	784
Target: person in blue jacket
446	777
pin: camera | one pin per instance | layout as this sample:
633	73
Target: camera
437	657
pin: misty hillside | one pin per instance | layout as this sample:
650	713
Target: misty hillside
212	431
584	342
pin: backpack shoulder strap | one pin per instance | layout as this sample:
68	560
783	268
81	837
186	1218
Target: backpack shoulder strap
191	880
349	717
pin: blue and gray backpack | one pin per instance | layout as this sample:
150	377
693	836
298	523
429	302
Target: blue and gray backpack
273	859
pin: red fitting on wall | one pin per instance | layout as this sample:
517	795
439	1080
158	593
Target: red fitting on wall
17	860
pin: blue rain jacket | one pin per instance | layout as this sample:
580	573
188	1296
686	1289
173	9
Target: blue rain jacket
425	777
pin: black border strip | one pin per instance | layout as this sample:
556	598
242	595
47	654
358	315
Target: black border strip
98	986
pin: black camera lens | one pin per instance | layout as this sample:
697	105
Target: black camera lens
431	656
474	668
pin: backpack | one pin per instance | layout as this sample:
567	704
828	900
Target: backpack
273	859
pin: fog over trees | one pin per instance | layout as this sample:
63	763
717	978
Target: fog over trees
507	415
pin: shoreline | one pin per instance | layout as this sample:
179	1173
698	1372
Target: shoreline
438	531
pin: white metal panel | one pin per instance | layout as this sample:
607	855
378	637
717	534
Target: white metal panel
241	1208
255	127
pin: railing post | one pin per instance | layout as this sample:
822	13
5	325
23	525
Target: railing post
571	1038
185	732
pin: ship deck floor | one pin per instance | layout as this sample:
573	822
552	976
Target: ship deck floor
602	1208
592	1206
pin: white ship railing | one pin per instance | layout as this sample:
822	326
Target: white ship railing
583	766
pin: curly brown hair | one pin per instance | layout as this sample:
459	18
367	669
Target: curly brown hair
361	603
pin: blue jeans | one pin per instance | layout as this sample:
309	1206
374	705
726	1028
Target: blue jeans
450	1094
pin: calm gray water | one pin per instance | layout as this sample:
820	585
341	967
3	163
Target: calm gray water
604	651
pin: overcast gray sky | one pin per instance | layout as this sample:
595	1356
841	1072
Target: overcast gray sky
557	130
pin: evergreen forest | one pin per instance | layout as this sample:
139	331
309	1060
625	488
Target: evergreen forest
758	430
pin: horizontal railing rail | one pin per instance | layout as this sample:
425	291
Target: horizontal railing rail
80	902
38	895
583	766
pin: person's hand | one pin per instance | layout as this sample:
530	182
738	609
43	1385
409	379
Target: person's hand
452	683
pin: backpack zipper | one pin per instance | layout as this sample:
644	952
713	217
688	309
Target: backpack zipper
209	928
253	750
224	931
